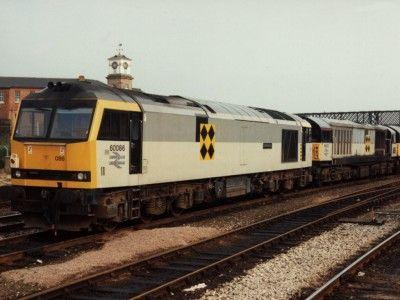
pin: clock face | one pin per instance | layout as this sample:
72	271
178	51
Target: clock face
114	65
125	65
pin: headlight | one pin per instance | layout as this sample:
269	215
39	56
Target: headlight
14	161
17	174
81	176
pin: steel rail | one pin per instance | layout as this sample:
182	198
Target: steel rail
5	204
259	235
7	258
239	254
363	260
20	238
10	221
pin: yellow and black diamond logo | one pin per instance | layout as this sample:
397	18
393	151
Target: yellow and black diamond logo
207	141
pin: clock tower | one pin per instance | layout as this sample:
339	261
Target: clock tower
119	74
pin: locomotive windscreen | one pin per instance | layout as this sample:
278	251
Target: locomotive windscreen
45	120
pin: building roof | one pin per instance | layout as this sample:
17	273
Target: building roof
27	82
119	56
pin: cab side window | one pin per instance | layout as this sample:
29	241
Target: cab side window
289	145
114	126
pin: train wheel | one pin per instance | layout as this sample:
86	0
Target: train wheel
174	209
176	212
107	226
145	217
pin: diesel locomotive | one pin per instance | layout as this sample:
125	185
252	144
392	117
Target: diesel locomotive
86	155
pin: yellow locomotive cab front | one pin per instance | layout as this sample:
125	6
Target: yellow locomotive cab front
51	145
64	164
55	154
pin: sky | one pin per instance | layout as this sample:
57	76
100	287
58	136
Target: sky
294	56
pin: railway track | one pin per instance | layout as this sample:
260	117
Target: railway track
27	247
11	221
168	272
4	192
5	204
380	279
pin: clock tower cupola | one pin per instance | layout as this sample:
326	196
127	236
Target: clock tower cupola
119	74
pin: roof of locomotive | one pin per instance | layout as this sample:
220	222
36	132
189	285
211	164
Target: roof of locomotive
93	89
326	123
190	106
320	122
74	89
346	123
395	127
392	130
384	127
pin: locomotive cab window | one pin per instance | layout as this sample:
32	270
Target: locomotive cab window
33	122
54	121
71	123
289	145
326	136
114	126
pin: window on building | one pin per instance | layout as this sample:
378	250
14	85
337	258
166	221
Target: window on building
114	126
1	97
17	96
289	145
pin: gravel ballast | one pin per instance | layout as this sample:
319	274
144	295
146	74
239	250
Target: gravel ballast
302	266
4	179
133	245
234	220
126	246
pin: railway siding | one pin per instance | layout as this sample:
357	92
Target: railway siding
286	275
175	267
223	217
37	276
379	283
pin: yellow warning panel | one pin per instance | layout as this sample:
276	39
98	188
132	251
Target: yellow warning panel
315	151
207	141
367	141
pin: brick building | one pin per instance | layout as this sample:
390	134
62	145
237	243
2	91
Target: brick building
13	90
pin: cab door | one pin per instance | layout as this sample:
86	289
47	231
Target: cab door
119	148
242	150
135	143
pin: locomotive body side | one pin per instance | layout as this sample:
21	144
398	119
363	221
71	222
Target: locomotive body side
87	155
172	148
